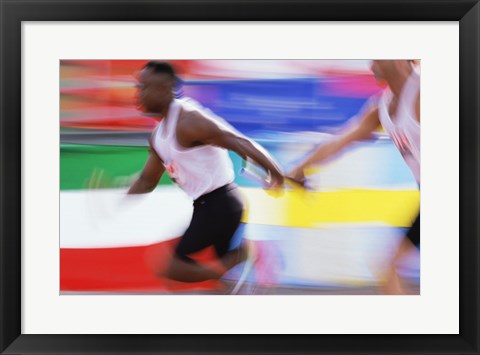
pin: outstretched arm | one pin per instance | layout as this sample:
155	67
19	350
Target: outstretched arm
150	176
362	131
194	128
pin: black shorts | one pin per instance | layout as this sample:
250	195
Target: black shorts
216	217
414	232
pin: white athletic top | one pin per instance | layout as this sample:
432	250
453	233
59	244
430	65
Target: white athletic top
196	170
404	129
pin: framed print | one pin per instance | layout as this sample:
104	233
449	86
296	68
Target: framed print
304	270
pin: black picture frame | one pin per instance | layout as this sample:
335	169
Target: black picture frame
13	12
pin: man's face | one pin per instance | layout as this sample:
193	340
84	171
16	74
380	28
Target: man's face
155	91
380	68
387	70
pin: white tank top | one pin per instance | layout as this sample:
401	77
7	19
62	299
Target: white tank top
404	129
196	170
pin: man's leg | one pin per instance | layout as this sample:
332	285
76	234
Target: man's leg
392	284
191	271
214	223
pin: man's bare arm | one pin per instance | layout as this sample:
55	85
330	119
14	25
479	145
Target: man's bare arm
369	122
150	176
417	107
194	128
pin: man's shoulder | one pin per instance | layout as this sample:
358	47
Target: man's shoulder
189	117
191	126
196	120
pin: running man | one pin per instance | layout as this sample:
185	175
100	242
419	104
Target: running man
398	111
191	145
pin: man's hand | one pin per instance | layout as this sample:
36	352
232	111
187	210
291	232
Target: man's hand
276	181
297	175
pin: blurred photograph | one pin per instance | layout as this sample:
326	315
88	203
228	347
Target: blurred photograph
240	177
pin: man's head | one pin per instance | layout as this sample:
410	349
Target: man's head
388	70
156	86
